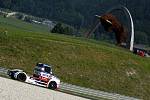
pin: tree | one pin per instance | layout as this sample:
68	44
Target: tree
58	28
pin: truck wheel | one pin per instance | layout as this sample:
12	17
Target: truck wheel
21	77
11	74
52	85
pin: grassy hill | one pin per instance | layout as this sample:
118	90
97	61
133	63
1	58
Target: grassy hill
79	61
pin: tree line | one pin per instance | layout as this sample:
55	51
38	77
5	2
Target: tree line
80	14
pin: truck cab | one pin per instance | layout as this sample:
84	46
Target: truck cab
42	76
42	72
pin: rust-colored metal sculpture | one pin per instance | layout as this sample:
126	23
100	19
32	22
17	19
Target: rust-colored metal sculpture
111	24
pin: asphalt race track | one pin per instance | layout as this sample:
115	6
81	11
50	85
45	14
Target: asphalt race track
14	90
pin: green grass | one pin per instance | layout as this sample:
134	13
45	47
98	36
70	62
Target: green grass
79	61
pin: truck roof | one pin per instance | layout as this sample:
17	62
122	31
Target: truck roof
42	65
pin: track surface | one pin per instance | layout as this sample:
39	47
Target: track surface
14	90
76	90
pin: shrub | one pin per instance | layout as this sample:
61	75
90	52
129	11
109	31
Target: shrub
58	28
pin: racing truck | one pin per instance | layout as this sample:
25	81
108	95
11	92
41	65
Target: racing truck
42	76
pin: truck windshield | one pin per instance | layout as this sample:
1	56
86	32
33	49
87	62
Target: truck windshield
47	69
43	68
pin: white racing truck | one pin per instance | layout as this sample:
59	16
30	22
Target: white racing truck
42	76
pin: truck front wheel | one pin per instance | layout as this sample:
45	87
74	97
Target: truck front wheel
21	77
52	85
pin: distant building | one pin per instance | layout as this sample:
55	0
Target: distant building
36	22
3	13
11	14
49	23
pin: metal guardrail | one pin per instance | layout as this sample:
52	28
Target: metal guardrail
3	71
84	92
93	94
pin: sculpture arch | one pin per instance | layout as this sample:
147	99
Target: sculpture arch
109	16
128	15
